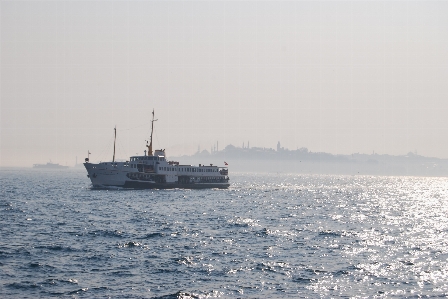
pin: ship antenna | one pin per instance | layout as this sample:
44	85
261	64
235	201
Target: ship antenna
115	139
152	129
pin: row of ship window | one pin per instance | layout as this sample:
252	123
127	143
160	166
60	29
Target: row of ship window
147	158
164	168
188	169
182	169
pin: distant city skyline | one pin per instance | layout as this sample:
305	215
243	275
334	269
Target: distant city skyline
333	76
284	160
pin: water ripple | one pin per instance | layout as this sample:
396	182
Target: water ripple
267	236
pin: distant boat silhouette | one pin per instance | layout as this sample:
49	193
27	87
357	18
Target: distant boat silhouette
49	165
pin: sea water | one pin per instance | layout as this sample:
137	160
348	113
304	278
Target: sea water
267	236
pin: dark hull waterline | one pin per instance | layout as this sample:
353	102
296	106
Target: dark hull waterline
148	185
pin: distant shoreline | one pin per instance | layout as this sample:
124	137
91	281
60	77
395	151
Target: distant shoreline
302	161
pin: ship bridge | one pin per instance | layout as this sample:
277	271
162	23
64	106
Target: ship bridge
147	158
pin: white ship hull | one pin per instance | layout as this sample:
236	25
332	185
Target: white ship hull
121	174
107	174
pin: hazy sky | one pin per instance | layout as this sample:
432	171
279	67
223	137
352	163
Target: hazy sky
333	76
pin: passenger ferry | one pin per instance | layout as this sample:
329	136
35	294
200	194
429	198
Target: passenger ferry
49	165
153	171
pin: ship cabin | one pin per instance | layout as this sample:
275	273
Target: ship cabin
172	171
146	163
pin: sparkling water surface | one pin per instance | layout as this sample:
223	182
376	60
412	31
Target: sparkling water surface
267	236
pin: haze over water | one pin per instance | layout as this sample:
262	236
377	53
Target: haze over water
341	77
268	236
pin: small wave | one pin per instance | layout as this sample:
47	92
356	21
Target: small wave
264	232
268	232
315	271
95	257
243	222
178	295
54	293
57	248
122	273
55	281
39	266
329	233
303	280
107	233
188	260
5	204
4	254
153	235
167	270
341	273
35	265
100	288
130	244
276	267
22	251
78	291
22	286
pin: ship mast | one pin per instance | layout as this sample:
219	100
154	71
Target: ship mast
115	139
152	129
